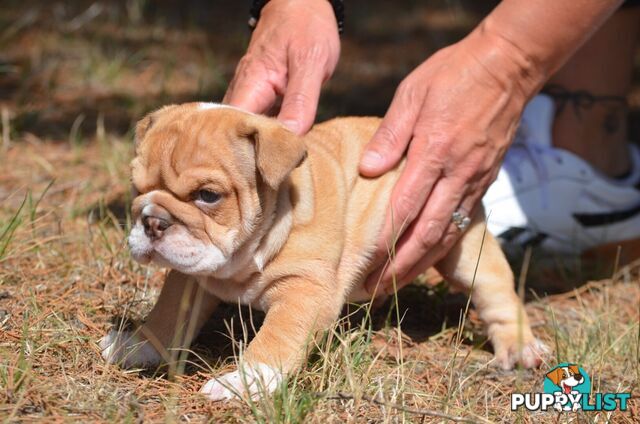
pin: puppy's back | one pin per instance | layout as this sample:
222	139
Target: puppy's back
367	198
345	139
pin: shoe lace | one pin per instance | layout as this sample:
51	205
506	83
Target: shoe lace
526	148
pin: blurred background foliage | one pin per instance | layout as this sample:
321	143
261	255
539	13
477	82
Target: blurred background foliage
68	66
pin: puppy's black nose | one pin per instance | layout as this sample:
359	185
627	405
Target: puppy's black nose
154	226
578	377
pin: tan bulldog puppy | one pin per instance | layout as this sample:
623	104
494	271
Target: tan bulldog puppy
255	214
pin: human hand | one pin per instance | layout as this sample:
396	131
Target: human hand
454	116
293	50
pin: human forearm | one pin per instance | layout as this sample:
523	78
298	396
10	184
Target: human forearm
539	36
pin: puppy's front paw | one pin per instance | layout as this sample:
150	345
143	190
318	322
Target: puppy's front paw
254	381
511	347
127	350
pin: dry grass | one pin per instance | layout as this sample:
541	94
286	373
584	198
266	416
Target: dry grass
71	87
65	275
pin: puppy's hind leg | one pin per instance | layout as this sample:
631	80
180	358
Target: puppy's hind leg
493	293
177	317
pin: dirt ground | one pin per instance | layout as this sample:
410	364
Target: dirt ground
75	77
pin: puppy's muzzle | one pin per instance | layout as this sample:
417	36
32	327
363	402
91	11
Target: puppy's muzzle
155	221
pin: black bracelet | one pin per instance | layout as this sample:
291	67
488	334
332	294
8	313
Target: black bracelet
257	5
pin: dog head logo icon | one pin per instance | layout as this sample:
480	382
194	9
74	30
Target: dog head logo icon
566	377
570	380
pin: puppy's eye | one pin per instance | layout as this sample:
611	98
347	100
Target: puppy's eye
207	196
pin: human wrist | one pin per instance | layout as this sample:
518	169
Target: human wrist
510	64
545	33
324	9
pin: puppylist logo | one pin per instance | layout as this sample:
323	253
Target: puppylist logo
567	388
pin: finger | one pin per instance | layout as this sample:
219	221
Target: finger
375	282
300	101
432	257
409	194
393	135
468	207
441	249
425	231
256	98
251	89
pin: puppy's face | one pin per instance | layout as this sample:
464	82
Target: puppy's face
204	174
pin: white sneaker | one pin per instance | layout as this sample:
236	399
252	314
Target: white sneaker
550	198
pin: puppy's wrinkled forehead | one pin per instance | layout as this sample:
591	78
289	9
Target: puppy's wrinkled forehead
179	146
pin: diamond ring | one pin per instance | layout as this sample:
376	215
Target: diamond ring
461	221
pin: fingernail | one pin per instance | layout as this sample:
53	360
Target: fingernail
373	285
293	126
371	159
369	287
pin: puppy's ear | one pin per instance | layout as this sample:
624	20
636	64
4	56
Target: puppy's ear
144	125
574	369
278	150
555	375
